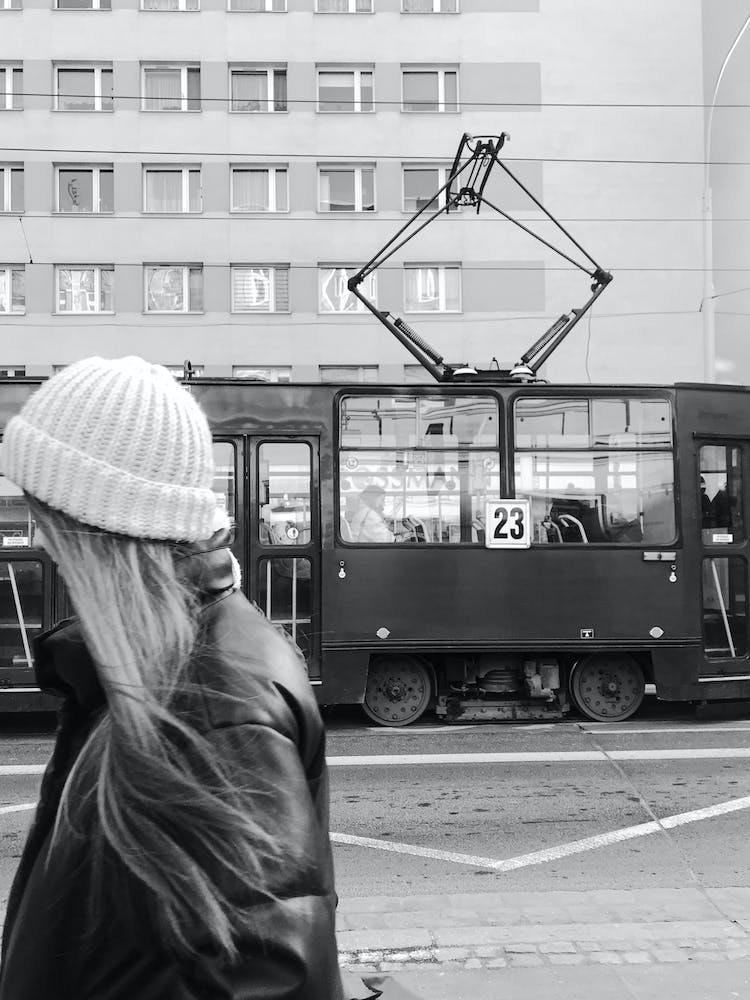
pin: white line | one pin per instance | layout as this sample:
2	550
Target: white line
550	853
536	757
22	768
695	730
22	807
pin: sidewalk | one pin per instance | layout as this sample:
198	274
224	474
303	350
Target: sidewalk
642	944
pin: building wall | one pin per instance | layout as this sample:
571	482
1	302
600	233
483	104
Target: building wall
581	92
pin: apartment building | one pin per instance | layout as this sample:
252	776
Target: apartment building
196	179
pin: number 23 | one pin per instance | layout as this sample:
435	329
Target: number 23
516	529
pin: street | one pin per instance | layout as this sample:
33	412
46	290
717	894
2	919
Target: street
511	860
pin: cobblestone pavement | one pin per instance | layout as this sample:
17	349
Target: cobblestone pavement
545	930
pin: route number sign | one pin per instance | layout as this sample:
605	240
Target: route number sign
508	524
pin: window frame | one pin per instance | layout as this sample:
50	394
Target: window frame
268	8
12	98
98	270
98	97
441	73
351	8
273	270
437	6
11	4
272	170
358	171
181	8
356	73
6	189
270	71
6	280
186	269
281	374
442	270
184	170
183	69
443	170
370	289
96	193
92	5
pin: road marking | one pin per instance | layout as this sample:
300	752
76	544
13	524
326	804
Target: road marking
509	757
21	807
694	730
550	853
536	757
410	730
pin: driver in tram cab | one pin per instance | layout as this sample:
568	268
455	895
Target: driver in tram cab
368	524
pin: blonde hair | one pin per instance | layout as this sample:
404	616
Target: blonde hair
148	788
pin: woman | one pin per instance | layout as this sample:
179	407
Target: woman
180	847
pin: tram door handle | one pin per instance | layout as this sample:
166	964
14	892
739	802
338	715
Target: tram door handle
342	569
670	558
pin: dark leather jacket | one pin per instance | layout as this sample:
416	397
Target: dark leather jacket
264	717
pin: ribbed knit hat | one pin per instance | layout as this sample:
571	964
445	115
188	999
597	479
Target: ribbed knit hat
117	444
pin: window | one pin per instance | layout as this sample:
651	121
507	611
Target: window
348	373
84	289
12	289
84	4
179	370
259	189
346	189
344	6
13	371
172	189
174	288
432	288
333	294
170	5
85	188
11	187
10	5
171	88
434	90
345	90
83	88
271	373
596	469
258	6
260	288
430	6
11	88
417	468
421	184
258	89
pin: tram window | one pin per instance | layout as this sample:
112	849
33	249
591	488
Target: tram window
724	607
284	482
284	596
419	496
720	482
21	607
16	524
620	497
574	422
424	421
225	479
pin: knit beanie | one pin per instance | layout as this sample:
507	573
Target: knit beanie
117	444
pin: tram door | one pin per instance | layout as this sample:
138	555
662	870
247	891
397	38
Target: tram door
724	467
284	537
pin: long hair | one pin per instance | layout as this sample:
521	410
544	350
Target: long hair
148	791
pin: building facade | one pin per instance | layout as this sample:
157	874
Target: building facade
195	179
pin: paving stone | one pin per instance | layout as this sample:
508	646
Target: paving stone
524	961
567	959
606	957
710	956
473	963
556	947
451	954
520	949
637	957
670	955
497	963
486	952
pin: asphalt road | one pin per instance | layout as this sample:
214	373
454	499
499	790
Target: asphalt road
464	811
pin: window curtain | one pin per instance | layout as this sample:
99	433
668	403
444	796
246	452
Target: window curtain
253	289
250	188
162	90
249	91
163	191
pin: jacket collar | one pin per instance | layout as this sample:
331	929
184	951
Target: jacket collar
62	663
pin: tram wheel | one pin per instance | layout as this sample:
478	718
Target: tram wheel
398	690
607	688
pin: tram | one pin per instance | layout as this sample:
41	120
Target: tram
484	545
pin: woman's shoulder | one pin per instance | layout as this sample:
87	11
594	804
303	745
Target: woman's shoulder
249	671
